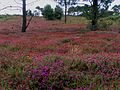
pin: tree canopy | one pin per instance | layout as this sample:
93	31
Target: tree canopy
116	9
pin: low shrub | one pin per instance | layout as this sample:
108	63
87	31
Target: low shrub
104	24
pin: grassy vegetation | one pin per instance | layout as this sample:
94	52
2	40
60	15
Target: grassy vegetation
76	20
62	60
104	24
5	17
110	23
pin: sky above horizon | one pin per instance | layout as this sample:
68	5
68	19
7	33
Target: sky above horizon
31	4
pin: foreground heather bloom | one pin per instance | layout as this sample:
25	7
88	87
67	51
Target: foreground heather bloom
82	89
45	71
35	73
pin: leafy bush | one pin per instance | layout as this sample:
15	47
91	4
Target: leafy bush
104	24
48	12
5	17
114	18
51	14
58	13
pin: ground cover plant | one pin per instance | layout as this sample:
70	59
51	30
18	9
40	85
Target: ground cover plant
52	55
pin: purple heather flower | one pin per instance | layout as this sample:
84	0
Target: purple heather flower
45	71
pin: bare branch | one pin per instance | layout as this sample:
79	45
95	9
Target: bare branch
17	2
90	2
10	7
27	3
29	21
32	2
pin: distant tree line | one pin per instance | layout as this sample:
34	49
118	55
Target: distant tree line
65	4
116	9
50	14
86	11
93	11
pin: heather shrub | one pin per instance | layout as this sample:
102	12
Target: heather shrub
56	72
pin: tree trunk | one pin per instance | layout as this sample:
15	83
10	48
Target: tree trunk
24	17
65	11
95	14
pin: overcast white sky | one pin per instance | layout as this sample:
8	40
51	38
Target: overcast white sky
30	5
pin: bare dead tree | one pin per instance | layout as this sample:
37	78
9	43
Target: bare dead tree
95	15
24	16
66	3
65	11
24	21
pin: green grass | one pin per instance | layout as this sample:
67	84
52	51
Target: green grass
10	48
5	17
76	20
107	23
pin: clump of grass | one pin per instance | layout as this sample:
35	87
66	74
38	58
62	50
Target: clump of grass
104	24
66	40
5	17
80	66
84	31
9	47
76	20
90	50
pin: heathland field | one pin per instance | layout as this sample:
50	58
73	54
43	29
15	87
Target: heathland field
52	55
